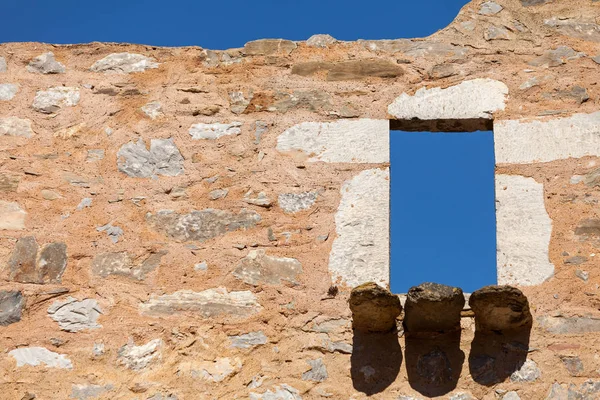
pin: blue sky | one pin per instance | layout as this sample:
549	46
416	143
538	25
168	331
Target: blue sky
442	185
442	209
219	24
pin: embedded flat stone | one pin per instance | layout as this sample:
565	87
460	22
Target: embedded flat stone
27	267
374	309
9	182
360	251
431	307
163	158
477	98
113	232
74	316
278	392
12	216
296	202
214	371
356	141
317	372
528	372
153	110
46	64
122	264
12	303
590	389
576	28
201	225
214	131
415	48
8	91
13	126
248	340
545	140
267	47
350	70
52	100
35	356
320	41
124	63
556	57
137	358
569	325
490	8
85	392
500	308
208	303
258	268
523	230
3	67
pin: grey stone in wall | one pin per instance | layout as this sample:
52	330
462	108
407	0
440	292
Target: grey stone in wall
28	266
357	141
46	64
490	8
569	325
153	109
258	268
201	225
74	316
528	372
12	216
360	252
122	264
576	28
411	48
124	63
52	100
139	357
215	371
85	392
525	142
248	340
317	373
8	91
523	230
295	202
208	303
163	158
477	98
11	306
35	356
113	232
266	47
556	57
13	126
3	67
278	392
320	41
588	390
214	131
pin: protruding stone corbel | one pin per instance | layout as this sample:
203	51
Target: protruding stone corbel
432	307
500	308
374	309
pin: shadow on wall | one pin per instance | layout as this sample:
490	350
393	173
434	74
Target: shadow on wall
375	361
431	323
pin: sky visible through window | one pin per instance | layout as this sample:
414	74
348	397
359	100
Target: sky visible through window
443	224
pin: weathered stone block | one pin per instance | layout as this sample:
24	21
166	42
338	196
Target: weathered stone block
266	47
12	216
139	357
52	100
124	63
163	158
258	268
431	307
74	316
523	230
13	126
214	131
500	308
46	64
359	141
122	264
520	142
374	309
296	202
360	252
35	356
320	41
201	225
208	303
8	91
248	340
477	98
27	267
11	306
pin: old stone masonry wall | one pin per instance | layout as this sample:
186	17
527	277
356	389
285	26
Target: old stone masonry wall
172	220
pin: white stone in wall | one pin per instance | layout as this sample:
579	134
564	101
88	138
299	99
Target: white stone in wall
356	141
8	91
523	230
13	126
153	109
477	98
40	355
124	63
51	100
524	142
360	252
3	67
214	131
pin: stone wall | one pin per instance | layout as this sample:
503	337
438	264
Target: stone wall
182	223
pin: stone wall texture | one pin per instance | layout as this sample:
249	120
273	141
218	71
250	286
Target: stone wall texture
183	223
